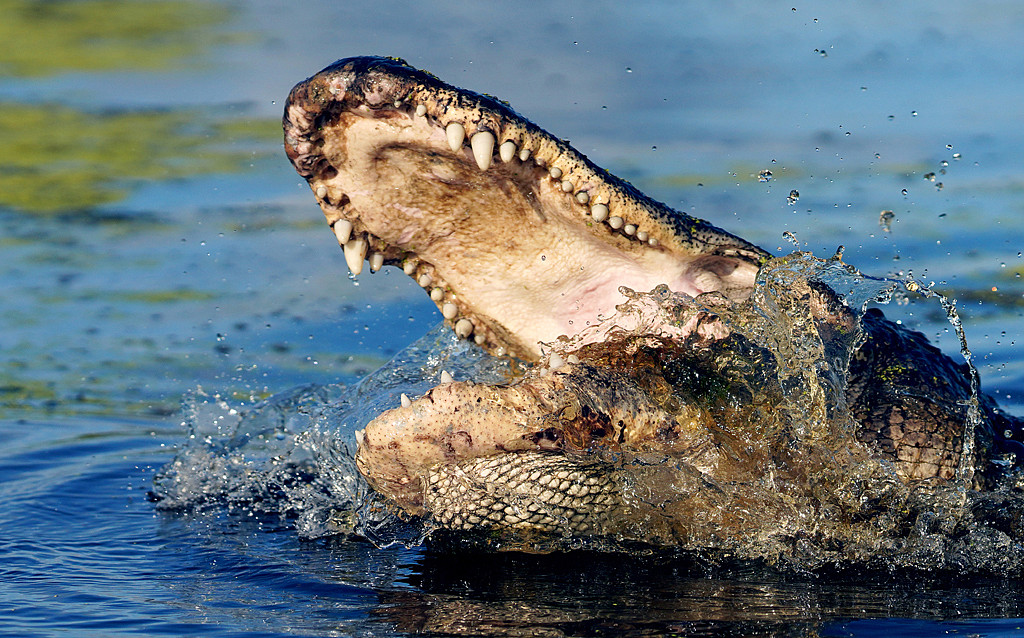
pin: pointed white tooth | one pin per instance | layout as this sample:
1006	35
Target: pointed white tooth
409	267
629	229
507	151
446	378
556	361
566	186
583	197
652	242
342	230
641	235
421	110
424	280
456	134
479	338
405	401
436	294
450	311
555	172
524	155
615	222
355	253
573	359
483	148
599	212
359	437
463	328
376	262
321	191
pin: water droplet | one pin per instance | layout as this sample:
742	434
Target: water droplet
930	177
764	176
913	114
904	191
794	195
885	219
892	117
956	156
629	69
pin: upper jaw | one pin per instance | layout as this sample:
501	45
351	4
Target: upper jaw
516	236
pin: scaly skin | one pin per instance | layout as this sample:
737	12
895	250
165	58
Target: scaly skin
520	239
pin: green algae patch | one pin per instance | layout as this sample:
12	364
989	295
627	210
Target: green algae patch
47	38
57	159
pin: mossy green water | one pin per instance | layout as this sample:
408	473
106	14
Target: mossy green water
49	38
54	158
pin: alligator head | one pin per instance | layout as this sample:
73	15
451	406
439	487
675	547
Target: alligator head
521	241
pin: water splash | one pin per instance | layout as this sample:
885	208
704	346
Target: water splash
820	500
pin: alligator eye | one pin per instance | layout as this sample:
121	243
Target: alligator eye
548	439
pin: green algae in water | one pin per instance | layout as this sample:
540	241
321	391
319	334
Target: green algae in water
54	158
48	38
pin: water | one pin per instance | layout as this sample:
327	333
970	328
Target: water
186	253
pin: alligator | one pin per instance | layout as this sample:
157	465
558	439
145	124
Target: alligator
643	406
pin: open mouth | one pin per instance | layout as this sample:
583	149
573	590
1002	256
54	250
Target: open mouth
520	241
516	236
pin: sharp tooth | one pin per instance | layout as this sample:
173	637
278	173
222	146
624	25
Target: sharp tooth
583	197
479	338
421	110
321	191
405	401
566	186
464	328
409	267
446	378
573	359
376	261
450	311
555	172
507	151
342	230
436	294
456	134
641	235
556	362
483	148
629	229
355	253
524	155
359	437
615	222
424	280
599	212
652	242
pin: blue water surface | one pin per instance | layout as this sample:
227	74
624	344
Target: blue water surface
215	270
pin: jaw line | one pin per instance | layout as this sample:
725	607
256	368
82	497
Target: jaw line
516	236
